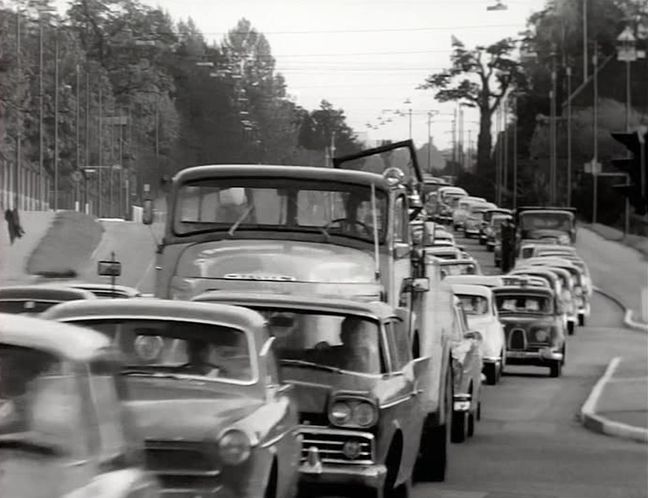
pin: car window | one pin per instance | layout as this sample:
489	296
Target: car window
399	344
474	305
520	303
400	220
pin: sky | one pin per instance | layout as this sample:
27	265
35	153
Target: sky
366	56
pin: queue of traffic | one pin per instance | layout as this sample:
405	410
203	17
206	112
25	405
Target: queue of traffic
313	331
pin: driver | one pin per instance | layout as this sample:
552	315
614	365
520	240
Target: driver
199	353
359	218
359	351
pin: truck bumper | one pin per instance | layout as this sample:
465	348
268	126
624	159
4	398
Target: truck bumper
332	476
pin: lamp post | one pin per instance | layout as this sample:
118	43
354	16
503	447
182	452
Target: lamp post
627	52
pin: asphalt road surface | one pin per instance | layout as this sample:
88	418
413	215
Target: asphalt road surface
530	443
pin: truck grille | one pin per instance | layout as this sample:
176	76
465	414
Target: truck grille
517	339
183	469
330	444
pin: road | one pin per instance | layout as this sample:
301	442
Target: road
529	443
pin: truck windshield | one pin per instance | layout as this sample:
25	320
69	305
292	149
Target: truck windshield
546	220
346	342
272	203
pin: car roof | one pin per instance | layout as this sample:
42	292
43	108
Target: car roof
489	280
471	290
146	308
45	292
450	189
530	289
62	340
207	172
374	309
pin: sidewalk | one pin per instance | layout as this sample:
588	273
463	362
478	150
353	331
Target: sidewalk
636	242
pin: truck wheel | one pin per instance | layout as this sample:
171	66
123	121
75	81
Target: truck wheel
460	426
555	369
432	461
491	372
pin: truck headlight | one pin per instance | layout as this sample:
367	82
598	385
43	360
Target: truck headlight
358	413
234	447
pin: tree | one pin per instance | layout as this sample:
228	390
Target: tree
325	125
478	77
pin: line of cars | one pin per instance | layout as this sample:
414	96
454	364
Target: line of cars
546	296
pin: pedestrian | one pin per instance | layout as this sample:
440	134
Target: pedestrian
508	245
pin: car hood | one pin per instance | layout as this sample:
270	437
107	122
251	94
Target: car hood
277	260
187	414
313	389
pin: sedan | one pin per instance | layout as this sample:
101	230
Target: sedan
216	418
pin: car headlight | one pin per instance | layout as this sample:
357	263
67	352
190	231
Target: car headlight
542	334
353	413
234	447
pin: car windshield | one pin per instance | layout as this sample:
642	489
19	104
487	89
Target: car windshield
153	347
474	305
275	203
459	268
546	220
25	307
38	398
497	221
327	340
521	303
476	214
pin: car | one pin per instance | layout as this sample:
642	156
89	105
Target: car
447	199
463	208
552	225
107	291
445	252
565	252
486	221
215	415
462	266
356	376
64	426
36	298
481	313
533	327
473	221
467	367
570	298
492	231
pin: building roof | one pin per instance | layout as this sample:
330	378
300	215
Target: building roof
62	340
304	302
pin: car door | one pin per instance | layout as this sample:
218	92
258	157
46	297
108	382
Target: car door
404	381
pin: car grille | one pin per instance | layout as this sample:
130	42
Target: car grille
330	442
517	339
182	468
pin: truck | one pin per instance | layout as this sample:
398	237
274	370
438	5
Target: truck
341	231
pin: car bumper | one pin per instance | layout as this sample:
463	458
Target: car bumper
345	476
540	357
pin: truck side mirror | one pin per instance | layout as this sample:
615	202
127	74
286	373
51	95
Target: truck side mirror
147	212
419	284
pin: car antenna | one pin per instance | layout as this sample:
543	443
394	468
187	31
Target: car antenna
374	215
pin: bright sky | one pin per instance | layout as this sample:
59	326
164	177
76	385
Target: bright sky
365	56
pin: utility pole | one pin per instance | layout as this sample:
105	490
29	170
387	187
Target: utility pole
40	112
553	167
56	118
515	150
17	168
595	122
78	131
429	136
585	55
87	138
505	152
99	189
569	136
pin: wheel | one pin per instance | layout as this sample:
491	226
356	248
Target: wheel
570	328
471	424
497	263
482	242
456	227
555	369
581	320
490	248
492	374
460	426
479	411
564	353
432	461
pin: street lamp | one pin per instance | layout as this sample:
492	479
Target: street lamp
627	52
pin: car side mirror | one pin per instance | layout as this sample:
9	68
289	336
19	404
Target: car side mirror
147	212
473	334
420	284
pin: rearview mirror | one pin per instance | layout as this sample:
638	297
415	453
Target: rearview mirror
420	284
109	268
147	212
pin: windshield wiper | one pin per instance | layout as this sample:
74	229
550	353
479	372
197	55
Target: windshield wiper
308	364
240	219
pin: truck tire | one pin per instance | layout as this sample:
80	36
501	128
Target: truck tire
555	369
492	374
570	328
581	320
432	461
460	423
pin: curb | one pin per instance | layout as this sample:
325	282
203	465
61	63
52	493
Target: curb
627	317
602	425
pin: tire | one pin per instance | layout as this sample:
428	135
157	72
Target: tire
490	248
581	320
456	228
570	328
492	374
497	263
432	461
460	422
564	353
555	369
482	242
471	424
